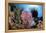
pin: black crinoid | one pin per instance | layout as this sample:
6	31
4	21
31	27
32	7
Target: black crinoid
35	16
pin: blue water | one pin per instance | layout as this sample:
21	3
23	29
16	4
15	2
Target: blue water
28	7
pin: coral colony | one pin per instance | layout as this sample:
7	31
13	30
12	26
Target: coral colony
25	16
